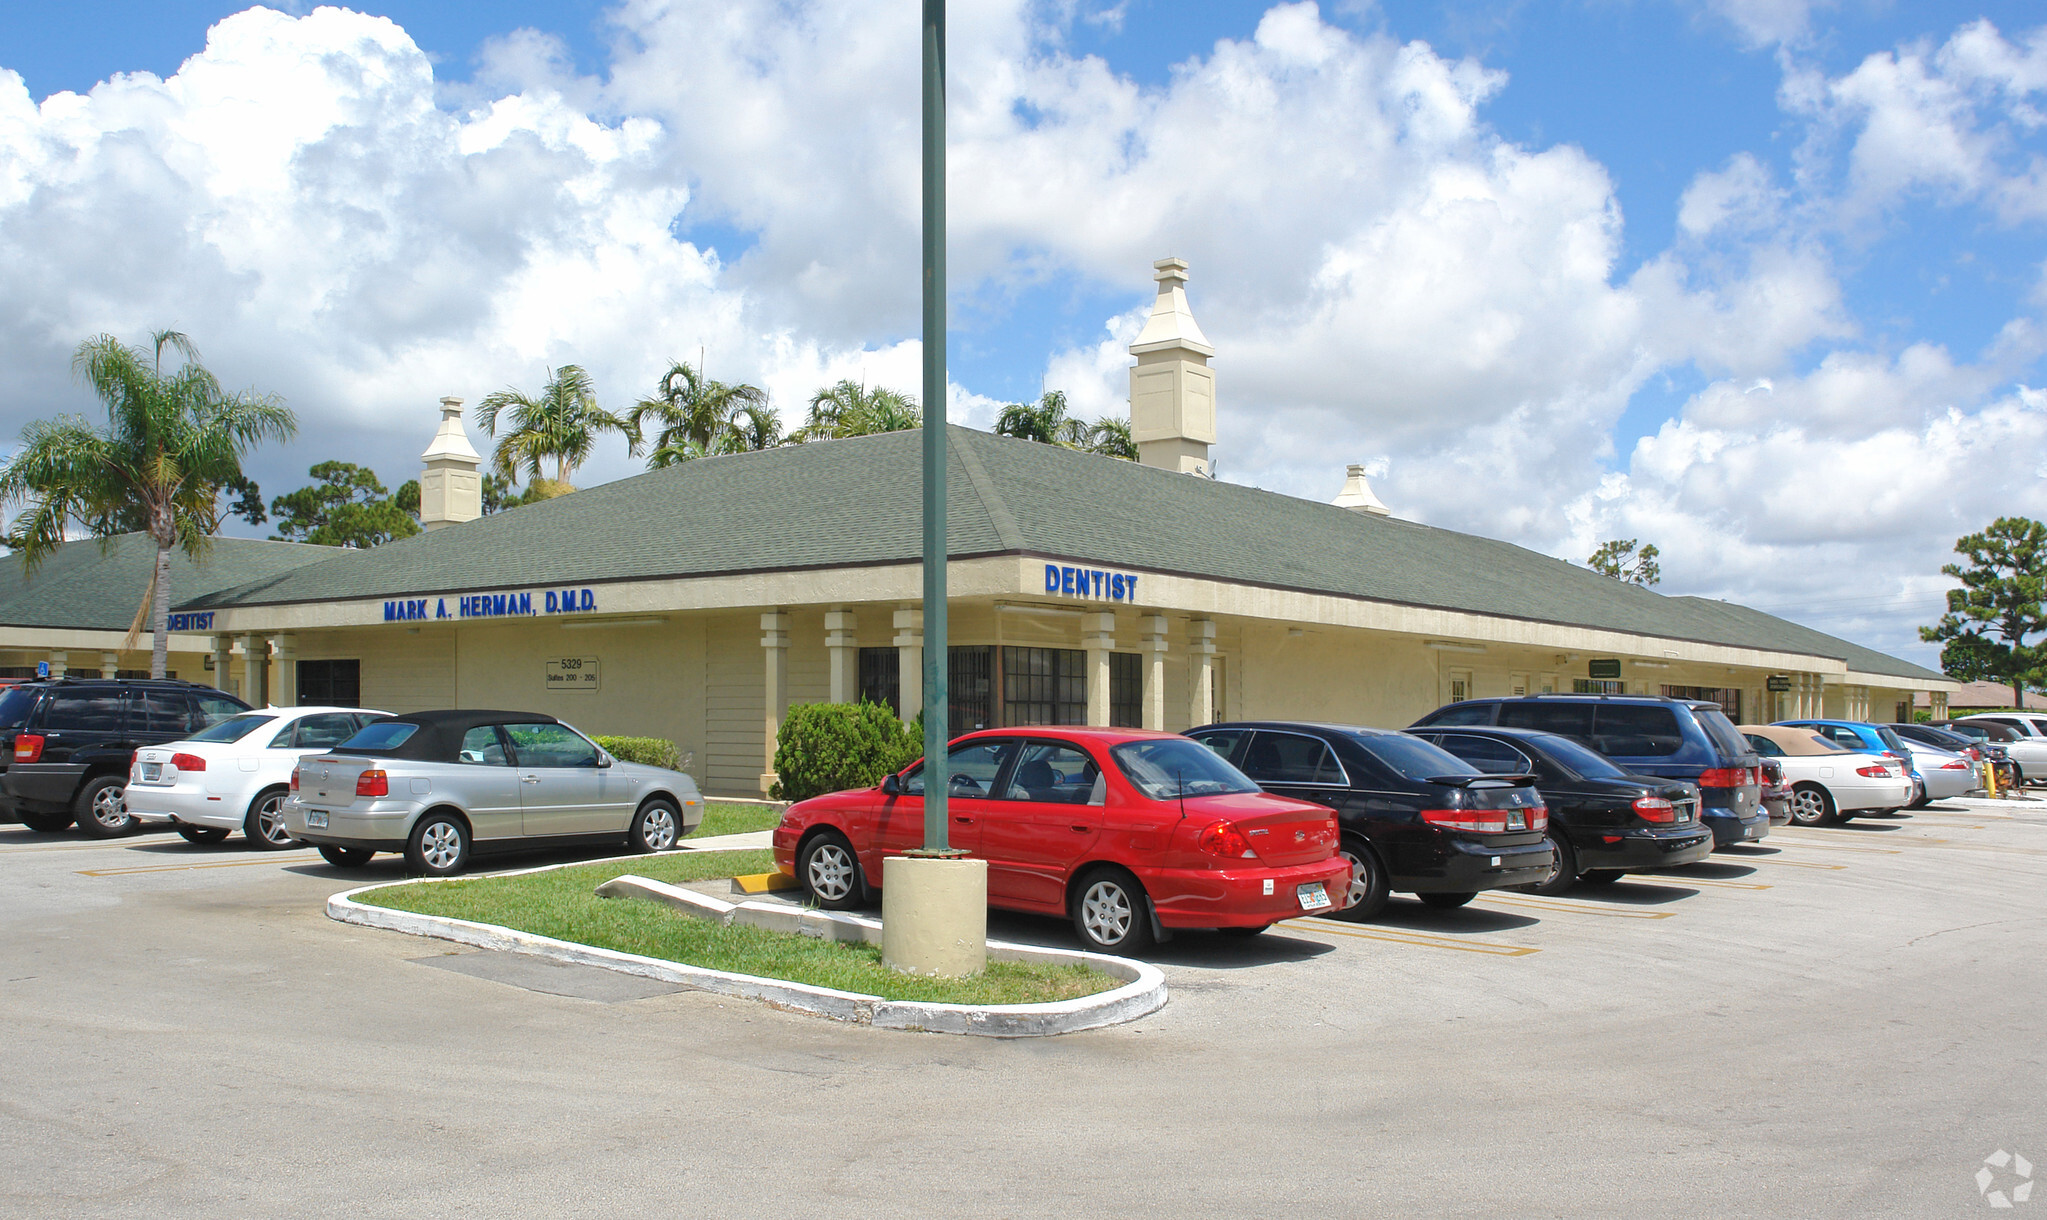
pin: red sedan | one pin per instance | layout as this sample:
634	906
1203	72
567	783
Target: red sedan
1120	830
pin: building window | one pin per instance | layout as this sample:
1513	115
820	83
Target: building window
1219	684
881	678
970	688
1044	686
330	683
133	674
1460	685
1727	697
1126	690
1597	686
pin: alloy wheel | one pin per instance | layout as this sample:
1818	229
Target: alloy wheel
270	822
1808	807
441	845
110	807
658	828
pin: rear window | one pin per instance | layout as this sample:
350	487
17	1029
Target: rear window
1412	758
1568	719
15	705
1639	730
383	735
1472	713
234	728
1587	763
1175	767
1720	730
1890	739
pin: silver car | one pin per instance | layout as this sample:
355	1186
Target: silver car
439	786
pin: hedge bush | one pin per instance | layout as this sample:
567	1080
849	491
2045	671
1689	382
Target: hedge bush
829	747
651	751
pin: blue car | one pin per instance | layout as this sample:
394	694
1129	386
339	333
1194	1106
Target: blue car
1870	739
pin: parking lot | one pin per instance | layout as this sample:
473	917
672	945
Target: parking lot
1841	1021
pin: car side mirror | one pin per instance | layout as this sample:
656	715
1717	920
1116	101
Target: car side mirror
604	760
891	786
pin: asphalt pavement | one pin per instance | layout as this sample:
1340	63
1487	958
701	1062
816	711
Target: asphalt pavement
1841	1021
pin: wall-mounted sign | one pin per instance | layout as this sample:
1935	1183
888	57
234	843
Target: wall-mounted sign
489	605
571	675
1090	583
1608	668
1778	682
199	620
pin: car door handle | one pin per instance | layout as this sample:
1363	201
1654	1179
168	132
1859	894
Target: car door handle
529	779
1081	829
963	821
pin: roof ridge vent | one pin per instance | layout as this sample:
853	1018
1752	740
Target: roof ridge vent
1357	494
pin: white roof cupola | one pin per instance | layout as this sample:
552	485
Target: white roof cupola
1357	494
1172	389
450	489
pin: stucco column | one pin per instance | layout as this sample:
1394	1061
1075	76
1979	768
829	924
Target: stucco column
1098	637
1938	701
775	646
1153	648
110	664
910	663
59	662
223	659
842	640
284	684
255	656
1201	672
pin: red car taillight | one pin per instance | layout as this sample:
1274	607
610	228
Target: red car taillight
1655	809
1538	818
1216	839
1875	772
188	762
28	748
1482	821
376	783
1730	777
1956	765
294	779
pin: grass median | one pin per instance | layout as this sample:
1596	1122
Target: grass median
561	903
723	819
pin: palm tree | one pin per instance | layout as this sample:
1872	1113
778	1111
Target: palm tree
851	409
1046	422
562	424
699	418
173	440
1111	438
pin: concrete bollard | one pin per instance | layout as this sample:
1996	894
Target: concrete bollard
934	915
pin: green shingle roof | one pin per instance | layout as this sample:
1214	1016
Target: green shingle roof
853	502
82	585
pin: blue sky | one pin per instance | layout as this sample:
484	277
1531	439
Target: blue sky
1813	379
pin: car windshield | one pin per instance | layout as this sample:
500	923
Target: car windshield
1168	768
383	735
1589	764
1414	758
1891	740
1721	730
14	708
234	728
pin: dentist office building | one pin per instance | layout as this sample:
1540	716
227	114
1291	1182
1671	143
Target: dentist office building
697	603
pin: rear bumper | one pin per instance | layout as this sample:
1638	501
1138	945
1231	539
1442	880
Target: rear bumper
1730	828
373	828
44	787
1463	866
1941	784
1644	849
1240	897
183	804
1869	793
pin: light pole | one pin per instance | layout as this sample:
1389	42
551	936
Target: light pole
937	774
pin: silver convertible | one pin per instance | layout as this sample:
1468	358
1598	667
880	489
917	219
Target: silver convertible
441	785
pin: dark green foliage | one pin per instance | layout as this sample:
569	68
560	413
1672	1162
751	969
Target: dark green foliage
650	751
1613	558
346	506
1984	634
830	747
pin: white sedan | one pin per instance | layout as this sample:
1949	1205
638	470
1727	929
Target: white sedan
1829	783
235	774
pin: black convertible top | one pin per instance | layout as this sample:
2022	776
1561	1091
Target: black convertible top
440	733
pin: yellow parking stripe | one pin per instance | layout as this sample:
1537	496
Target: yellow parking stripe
272	858
1794	863
1681	879
1874	851
1420	940
1572	908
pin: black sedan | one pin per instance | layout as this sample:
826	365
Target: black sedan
1414	819
1603	822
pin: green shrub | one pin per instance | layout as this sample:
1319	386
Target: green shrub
829	747
651	751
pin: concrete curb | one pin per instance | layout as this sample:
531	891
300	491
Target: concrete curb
1143	991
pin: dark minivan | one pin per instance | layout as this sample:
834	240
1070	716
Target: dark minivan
69	741
1412	818
1684	739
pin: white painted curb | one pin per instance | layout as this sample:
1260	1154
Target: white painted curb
1144	989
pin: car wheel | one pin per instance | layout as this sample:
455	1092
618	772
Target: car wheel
46	823
439	845
1445	902
202	834
264	827
1563	869
1602	876
654	827
345	857
1368	892
830	871
1109	912
1811	805
102	808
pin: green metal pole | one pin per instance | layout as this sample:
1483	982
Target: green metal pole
937	774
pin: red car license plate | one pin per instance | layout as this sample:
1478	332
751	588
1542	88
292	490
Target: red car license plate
1314	896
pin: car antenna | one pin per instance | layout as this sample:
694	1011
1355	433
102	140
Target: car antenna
1180	777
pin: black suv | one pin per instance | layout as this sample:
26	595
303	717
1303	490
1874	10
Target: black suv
1682	739
65	745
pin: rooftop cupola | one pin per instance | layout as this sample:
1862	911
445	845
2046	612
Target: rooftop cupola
1357	494
450	490
1172	389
